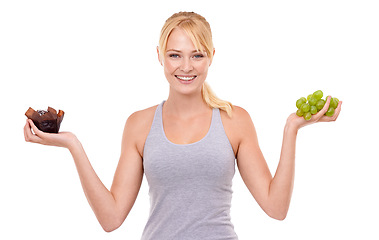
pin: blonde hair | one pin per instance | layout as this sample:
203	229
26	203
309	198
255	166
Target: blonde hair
199	30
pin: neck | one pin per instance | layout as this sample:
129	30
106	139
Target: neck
185	105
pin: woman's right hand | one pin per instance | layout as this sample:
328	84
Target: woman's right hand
61	139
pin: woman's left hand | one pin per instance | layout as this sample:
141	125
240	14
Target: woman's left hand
299	122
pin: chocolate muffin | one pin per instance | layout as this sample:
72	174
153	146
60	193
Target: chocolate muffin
47	121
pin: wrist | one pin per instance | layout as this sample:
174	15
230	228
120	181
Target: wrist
73	143
291	127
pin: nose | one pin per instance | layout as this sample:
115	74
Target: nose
186	65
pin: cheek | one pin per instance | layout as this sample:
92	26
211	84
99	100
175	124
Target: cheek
202	67
169	66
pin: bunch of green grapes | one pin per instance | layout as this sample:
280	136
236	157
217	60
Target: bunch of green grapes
306	107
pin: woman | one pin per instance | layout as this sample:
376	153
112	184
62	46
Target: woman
187	147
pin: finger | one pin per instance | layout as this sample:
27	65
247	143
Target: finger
335	114
318	116
27	131
337	111
26	127
35	129
29	136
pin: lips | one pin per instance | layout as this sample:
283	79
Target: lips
186	79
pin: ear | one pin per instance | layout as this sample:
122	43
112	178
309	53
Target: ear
159	57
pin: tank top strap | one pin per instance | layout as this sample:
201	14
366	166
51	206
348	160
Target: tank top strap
158	121
218	130
155	134
216	120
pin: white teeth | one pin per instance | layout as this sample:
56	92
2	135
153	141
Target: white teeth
186	78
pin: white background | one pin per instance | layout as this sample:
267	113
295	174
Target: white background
97	61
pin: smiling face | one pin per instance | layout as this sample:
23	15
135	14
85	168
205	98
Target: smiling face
185	67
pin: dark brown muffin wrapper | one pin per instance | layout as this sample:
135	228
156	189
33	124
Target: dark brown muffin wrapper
49	122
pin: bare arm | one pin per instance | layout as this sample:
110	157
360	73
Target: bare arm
273	194
110	207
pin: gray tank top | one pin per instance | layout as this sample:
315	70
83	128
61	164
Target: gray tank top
190	186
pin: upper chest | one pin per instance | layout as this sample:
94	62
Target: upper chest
187	131
192	130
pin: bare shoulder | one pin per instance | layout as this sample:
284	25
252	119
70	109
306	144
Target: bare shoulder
138	125
237	126
240	118
141	118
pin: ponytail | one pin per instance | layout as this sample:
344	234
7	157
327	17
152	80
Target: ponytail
213	101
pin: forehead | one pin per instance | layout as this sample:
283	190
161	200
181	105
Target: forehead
180	40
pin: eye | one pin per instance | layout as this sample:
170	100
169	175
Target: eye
173	55
198	56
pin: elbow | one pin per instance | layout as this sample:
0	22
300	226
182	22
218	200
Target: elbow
277	210
108	229
110	225
111	220
279	214
279	217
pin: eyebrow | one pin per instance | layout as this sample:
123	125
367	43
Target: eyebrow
174	50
